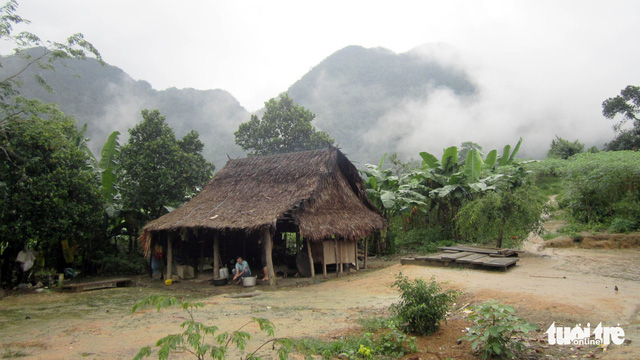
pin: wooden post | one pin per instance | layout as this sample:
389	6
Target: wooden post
313	270
216	255
340	254
355	244
268	243
335	249
324	261
366	251
169	256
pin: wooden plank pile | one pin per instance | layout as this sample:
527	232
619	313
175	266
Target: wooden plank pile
102	284
468	256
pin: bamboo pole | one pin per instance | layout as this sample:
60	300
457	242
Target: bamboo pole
268	243
313	270
216	255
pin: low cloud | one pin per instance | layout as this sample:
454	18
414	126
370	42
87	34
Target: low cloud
506	106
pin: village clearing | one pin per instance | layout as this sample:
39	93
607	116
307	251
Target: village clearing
565	285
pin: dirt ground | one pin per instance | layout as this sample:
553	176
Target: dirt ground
567	285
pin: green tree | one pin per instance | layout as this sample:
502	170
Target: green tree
159	170
50	192
626	104
464	149
284	127
564	149
507	213
47	189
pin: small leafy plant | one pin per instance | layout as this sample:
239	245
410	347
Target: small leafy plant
193	339
422	305
495	324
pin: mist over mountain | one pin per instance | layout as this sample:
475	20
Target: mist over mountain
107	99
356	91
371	101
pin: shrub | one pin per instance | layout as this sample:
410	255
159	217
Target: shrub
122	264
509	215
495	324
422	305
622	225
596	183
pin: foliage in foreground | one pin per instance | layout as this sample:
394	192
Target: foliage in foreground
389	342
423	306
495	324
193	339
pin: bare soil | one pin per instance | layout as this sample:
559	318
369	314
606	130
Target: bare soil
567	285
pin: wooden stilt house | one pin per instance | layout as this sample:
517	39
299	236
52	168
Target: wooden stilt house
318	195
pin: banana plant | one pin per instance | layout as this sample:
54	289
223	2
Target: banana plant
508	157
108	167
390	193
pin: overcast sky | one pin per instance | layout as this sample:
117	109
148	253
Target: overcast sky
556	56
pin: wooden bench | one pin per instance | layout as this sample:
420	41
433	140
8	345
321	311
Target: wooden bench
102	284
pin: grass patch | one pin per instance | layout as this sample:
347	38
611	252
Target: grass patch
386	343
8	353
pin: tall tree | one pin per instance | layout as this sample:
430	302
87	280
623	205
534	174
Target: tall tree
626	104
48	192
159	170
284	127
564	149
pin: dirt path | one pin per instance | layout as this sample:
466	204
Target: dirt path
98	325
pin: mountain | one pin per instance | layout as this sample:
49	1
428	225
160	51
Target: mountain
356	91
107	99
371	101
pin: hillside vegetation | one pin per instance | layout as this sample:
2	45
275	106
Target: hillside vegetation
353	89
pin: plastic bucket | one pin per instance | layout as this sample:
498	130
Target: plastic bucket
249	281
224	273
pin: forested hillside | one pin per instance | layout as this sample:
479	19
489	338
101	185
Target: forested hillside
107	99
353	90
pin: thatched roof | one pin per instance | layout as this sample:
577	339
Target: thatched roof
320	191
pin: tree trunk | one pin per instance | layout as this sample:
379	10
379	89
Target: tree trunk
313	270
268	243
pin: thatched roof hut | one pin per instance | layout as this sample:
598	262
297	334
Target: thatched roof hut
318	193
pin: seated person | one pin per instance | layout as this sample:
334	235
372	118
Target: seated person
241	270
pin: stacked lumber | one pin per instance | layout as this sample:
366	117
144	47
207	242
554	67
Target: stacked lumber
468	256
